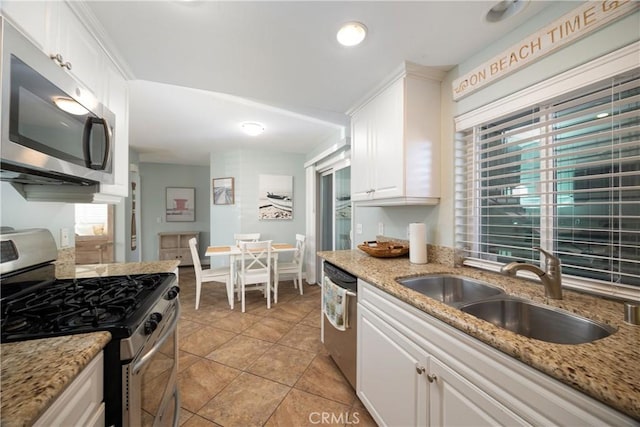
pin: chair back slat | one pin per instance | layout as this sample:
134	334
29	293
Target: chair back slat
246	237
256	255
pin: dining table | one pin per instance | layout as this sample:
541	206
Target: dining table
234	253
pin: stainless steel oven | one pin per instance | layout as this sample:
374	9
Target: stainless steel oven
150	395
141	312
52	126
342	343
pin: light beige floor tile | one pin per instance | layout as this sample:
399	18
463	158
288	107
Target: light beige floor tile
289	311
248	401
198	421
204	340
304	409
240	351
282	364
185	360
237	321
303	337
323	378
269	329
202	381
184	416
313	318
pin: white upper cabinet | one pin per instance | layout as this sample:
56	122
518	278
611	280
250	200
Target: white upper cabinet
117	100
81	54
396	141
56	28
33	18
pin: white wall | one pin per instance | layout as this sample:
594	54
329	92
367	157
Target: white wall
16	212
154	180
242	217
440	219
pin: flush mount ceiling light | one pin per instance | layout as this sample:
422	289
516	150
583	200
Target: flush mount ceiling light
505	9
602	115
70	106
252	128
351	34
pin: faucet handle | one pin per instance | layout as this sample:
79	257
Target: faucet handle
549	257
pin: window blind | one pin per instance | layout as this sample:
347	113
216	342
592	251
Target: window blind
563	175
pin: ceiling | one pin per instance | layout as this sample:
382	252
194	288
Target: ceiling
198	69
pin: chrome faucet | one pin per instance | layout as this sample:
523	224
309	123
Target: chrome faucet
551	278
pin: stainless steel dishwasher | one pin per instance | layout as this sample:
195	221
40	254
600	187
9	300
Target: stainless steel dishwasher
341	344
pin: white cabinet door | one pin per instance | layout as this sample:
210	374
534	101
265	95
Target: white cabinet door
457	402
80	49
32	18
389	382
387	155
361	135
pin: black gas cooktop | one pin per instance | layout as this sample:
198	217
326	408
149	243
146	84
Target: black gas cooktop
117	304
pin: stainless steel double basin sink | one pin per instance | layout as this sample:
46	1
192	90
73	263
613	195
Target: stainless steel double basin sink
492	304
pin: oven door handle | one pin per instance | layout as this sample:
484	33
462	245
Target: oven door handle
172	327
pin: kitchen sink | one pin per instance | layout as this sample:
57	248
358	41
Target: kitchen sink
537	321
449	289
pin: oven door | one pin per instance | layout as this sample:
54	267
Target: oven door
151	396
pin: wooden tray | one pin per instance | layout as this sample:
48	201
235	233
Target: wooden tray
384	249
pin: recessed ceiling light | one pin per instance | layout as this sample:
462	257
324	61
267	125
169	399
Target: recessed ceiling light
70	106
252	128
351	34
505	9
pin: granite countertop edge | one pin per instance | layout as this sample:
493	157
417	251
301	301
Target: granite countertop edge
36	372
605	369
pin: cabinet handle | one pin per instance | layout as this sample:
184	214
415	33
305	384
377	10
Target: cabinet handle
66	65
57	57
420	369
432	378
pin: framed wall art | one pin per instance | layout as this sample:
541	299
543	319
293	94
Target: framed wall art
275	197
223	191
181	204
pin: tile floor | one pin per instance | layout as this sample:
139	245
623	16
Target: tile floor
262	367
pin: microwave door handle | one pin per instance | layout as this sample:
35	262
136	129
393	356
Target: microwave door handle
86	142
107	139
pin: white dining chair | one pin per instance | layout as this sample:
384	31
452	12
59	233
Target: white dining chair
218	274
255	269
292	268
245	237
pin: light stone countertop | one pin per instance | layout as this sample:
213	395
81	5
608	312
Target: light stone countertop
607	369
70	271
35	372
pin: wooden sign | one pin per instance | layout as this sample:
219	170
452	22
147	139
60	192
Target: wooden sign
570	27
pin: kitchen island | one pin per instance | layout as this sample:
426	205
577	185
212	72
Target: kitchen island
605	370
34	373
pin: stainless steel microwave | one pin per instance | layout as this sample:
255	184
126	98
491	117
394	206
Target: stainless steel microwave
53	129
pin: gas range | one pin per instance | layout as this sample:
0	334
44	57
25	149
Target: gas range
60	307
140	311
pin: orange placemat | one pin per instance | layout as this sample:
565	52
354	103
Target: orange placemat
218	248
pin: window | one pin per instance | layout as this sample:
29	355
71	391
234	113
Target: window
563	175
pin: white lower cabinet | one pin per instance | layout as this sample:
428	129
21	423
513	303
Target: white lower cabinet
81	404
403	385
414	370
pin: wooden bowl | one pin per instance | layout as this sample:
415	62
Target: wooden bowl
384	249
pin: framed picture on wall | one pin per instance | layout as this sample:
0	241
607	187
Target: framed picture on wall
275	197
181	204
223	191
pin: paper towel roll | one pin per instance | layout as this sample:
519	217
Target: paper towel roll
418	243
